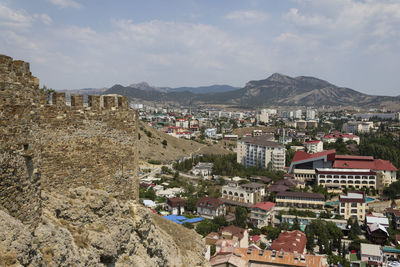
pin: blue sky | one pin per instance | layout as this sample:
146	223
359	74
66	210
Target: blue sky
98	43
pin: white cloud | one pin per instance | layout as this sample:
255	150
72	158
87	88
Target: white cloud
44	18
14	18
247	16
66	3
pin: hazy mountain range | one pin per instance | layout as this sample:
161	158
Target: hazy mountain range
277	90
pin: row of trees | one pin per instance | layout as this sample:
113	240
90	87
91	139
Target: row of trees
227	165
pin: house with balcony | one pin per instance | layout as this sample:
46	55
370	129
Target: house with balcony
262	213
209	207
371	254
250	193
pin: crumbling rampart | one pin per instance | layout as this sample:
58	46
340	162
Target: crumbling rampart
51	145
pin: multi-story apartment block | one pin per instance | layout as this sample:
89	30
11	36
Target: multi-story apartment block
314	146
358	126
300	200
263	116
338	179
247	193
310	114
353	205
297	114
256	151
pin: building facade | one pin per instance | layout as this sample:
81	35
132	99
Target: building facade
247	193
258	152
338	179
353	205
300	200
262	213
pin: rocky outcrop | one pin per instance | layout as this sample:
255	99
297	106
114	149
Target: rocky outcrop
86	227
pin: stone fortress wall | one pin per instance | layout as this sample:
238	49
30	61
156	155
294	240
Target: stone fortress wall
53	147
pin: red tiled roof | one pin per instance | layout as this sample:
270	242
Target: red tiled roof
293	241
255	238
378	164
351	157
301	155
312	142
264	205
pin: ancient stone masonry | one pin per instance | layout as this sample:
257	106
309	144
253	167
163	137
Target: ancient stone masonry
53	147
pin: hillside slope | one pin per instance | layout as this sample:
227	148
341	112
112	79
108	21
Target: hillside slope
151	147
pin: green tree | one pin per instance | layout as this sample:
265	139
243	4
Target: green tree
220	221
205	227
271	232
164	142
188	225
191	203
240	217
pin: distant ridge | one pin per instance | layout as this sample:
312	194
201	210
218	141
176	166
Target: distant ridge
278	89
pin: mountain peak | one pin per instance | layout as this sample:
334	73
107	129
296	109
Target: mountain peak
278	77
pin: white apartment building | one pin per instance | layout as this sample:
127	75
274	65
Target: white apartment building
298	114
314	146
263	116
310	114
257	151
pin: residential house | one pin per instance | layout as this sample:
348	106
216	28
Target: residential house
233	232
377	233
371	254
176	205
203	169
209	207
262	213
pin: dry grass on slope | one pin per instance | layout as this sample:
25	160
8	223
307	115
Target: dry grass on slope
151	146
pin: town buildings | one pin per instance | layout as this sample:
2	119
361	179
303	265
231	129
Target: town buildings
353	205
290	241
247	193
314	146
262	213
176	205
257	152
203	169
209	207
336	179
371	254
300	200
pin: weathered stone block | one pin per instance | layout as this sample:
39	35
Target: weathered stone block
59	99
94	101
77	101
